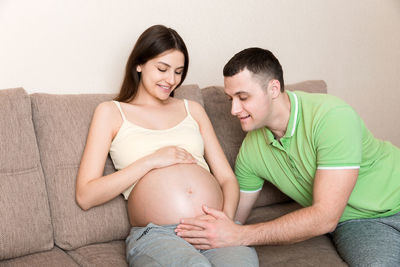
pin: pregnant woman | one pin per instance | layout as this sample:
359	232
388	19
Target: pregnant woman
164	149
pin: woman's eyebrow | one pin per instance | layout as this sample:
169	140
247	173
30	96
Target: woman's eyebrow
166	64
160	62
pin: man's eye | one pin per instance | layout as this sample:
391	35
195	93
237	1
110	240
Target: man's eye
242	98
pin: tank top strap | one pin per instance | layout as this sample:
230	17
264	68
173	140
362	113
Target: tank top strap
120	109
186	106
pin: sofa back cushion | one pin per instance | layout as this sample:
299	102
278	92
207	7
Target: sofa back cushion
24	210
226	126
62	123
310	86
230	134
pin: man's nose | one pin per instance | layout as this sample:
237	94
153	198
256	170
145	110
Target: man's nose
236	107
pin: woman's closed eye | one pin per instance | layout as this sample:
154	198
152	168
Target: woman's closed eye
177	72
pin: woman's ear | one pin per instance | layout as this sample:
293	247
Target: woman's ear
138	68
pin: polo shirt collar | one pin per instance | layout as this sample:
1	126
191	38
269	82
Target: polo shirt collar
294	114
294	117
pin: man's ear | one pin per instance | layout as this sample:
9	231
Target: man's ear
275	88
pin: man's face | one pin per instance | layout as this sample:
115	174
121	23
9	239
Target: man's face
251	103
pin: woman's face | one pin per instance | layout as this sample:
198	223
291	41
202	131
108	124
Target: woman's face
161	75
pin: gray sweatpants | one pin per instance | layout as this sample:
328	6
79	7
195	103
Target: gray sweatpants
156	245
369	242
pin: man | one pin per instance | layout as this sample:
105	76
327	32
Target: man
315	149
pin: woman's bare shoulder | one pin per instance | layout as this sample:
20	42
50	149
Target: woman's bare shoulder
106	109
107	113
196	108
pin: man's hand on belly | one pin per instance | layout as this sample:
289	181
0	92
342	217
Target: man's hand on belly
208	233
190	227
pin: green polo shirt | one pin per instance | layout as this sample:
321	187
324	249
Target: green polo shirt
323	133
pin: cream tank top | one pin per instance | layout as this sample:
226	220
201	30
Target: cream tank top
133	142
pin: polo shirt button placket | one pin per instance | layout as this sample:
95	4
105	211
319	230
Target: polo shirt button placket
293	168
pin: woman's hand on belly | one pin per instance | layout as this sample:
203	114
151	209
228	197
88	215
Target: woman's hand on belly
170	155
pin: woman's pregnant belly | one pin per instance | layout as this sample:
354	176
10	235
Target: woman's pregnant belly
164	196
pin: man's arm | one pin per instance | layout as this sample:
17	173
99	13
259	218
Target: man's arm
246	203
332	189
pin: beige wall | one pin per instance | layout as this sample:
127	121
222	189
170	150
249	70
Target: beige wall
74	46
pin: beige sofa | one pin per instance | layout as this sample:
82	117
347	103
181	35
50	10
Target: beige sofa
42	137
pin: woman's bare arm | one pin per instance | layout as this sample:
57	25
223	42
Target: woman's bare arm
217	160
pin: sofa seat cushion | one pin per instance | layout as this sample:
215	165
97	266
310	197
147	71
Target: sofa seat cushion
103	254
54	257
318	251
24	210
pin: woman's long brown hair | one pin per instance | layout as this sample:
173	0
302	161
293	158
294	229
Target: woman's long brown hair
151	43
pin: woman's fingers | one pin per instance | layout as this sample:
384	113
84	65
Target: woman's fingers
182	154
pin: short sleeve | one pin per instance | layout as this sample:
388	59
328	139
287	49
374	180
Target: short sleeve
248	179
339	139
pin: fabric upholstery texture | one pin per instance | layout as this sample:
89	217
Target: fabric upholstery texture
54	257
61	125
318	251
311	86
190	92
226	126
103	254
25	224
